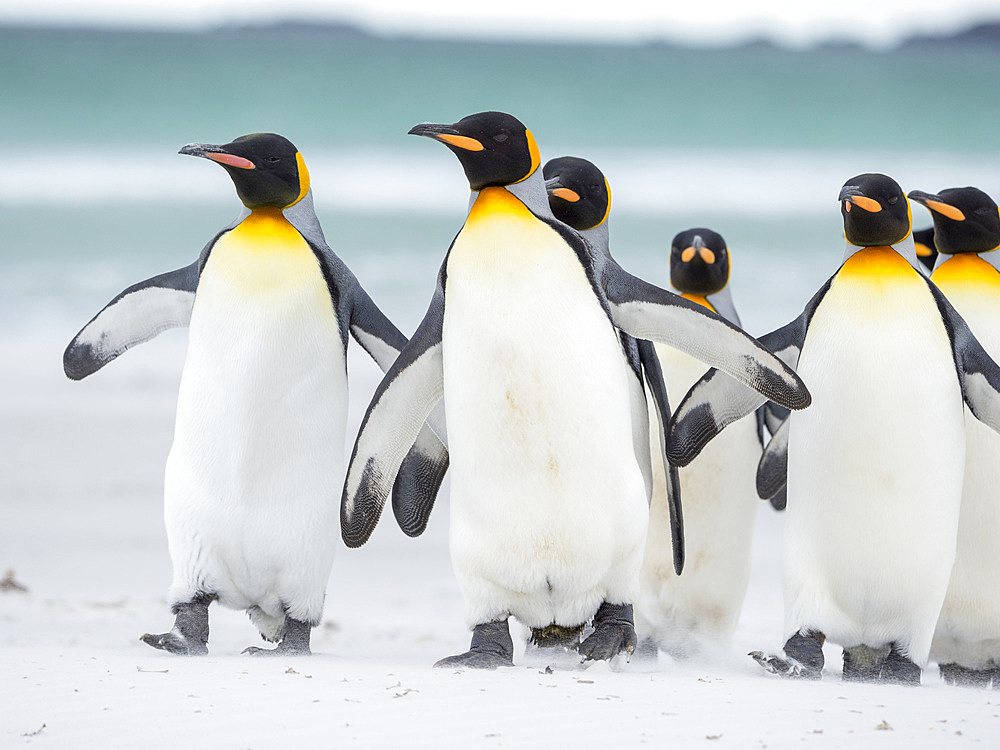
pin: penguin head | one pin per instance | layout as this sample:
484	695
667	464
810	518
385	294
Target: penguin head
266	168
923	243
875	210
495	149
579	194
966	220
699	262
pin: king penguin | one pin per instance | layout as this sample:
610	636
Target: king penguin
548	504
580	197
966	644
695	612
257	456
874	467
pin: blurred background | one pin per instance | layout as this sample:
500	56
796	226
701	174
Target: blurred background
743	119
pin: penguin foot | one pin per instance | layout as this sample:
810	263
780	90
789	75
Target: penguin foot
294	641
614	632
175	643
189	636
897	669
491	647
788	668
803	657
885	664
955	674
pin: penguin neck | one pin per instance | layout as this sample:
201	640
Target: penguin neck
904	247
599	238
531	192
302	216
961	267
698	299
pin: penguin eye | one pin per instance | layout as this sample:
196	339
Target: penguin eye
273	159
982	210
893	199
500	137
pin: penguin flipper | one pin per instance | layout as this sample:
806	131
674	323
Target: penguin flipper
648	312
411	388
978	373
772	469
139	313
716	401
654	381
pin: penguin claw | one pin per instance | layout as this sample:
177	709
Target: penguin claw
607	642
174	643
786	668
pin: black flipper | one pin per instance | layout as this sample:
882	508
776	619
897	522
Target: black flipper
139	313
772	469
407	394
978	374
654	381
423	470
648	312
716	401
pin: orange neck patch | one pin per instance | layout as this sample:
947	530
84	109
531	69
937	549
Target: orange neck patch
877	265
964	268
699	299
495	201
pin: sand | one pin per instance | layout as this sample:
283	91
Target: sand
81	527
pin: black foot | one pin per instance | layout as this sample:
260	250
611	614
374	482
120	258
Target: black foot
491	647
802	659
556	636
614	632
885	664
899	670
294	641
175	643
189	636
954	674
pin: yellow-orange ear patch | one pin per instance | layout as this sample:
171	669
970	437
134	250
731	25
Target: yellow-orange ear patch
536	157
922	250
303	178
707	255
460	141
688	254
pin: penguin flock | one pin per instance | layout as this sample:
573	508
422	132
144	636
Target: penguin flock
581	503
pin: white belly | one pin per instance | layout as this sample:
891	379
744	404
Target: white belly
968	631
253	477
874	469
548	509
720	503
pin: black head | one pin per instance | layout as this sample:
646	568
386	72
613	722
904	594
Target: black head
578	192
875	210
966	220
699	262
266	168
495	148
923	241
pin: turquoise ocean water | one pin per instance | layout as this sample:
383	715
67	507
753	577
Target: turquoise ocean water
754	142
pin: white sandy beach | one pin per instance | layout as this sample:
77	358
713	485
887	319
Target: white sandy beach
81	527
